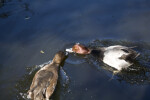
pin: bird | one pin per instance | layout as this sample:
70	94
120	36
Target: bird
45	80
117	56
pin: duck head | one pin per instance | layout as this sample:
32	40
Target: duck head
80	49
59	57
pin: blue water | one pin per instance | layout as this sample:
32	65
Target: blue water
29	26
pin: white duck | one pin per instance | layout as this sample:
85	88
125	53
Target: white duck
117	56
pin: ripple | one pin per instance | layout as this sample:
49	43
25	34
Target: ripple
38	66
138	73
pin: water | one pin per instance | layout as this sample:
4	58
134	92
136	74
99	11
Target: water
27	27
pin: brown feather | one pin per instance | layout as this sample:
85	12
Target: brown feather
45	80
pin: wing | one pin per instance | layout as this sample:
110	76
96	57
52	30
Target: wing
131	54
40	83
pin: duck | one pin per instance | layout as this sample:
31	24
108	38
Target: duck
116	56
45	80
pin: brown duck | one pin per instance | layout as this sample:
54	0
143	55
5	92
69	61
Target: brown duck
45	80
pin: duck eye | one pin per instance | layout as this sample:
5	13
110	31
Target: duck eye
76	49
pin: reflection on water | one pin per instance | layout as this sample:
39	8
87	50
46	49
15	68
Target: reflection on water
4	14
1	3
12	7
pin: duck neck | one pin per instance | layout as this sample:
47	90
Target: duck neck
55	65
89	51
99	53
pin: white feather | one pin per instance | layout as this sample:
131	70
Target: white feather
69	50
112	55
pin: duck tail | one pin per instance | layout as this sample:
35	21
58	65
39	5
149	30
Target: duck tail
30	95
39	96
36	93
133	53
40	93
130	57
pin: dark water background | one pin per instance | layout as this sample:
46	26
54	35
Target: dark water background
29	26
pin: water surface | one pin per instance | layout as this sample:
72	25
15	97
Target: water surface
29	26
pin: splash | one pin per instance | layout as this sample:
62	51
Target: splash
64	77
138	73
39	66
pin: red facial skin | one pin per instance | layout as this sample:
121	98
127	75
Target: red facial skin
80	49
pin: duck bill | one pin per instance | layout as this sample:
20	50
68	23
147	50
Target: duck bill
69	50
